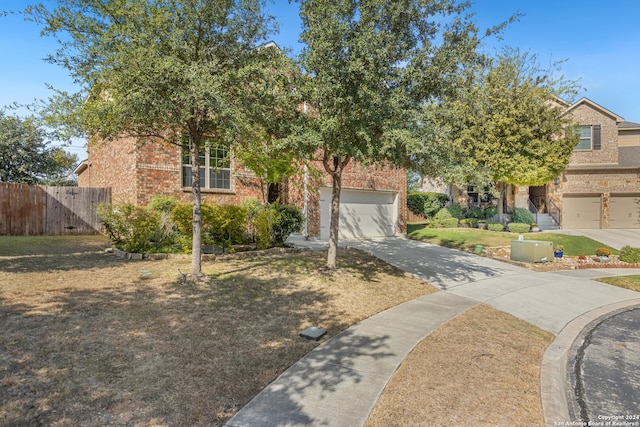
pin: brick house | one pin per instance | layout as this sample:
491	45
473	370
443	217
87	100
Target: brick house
600	188
373	199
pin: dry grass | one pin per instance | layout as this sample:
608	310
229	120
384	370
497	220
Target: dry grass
89	339
480	369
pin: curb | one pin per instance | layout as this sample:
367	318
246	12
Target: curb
555	385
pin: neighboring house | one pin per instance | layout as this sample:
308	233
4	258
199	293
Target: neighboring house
373	199
600	188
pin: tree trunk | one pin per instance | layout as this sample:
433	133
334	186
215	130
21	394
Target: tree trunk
196	247
334	166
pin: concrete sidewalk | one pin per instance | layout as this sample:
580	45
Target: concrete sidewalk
339	382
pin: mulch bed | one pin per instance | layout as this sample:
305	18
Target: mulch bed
503	253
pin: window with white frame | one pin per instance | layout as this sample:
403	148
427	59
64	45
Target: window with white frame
584	133
215	168
590	137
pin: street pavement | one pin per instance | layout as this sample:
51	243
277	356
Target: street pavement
339	382
605	369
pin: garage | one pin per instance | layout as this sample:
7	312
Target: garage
581	211
624	211
362	213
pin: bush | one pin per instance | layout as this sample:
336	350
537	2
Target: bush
162	204
495	226
426	203
438	219
518	227
455	210
290	220
226	225
490	211
265	222
629	254
522	215
476	213
603	252
131	228
448	223
469	222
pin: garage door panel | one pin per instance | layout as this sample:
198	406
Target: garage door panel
581	212
362	213
624	212
366	220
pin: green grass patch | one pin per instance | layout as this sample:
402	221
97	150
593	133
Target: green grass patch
626	282
467	238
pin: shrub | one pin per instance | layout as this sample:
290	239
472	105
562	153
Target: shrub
455	210
226	225
629	254
162	204
290	220
442	215
495	226
426	203
522	215
603	252
265	222
476	212
469	222
182	216
490	211
131	228
518	227
448	223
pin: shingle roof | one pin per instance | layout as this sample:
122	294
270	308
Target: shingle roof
628	125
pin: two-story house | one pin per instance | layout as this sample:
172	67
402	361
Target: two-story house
600	188
373	198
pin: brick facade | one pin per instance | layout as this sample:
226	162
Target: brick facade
138	172
596	172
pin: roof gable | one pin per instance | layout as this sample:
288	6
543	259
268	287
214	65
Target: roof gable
598	107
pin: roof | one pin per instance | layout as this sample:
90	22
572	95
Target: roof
81	167
628	126
598	107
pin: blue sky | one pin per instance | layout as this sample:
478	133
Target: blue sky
599	40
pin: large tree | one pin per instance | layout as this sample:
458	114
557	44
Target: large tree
505	125
370	64
27	156
172	71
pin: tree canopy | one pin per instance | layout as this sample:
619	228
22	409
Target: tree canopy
27	157
369	66
175	71
505	125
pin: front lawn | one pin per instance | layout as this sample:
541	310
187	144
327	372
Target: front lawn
91	339
627	282
468	238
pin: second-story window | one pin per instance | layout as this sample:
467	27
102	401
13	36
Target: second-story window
215	168
585	138
589	138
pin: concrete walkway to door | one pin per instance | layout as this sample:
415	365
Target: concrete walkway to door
339	382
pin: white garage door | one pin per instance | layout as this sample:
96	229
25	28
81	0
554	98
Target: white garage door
581	212
362	213
624	211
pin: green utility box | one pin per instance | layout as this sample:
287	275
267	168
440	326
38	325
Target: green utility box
531	250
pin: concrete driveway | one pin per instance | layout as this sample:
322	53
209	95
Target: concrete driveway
616	238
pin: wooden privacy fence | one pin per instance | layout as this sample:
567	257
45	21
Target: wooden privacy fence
49	211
